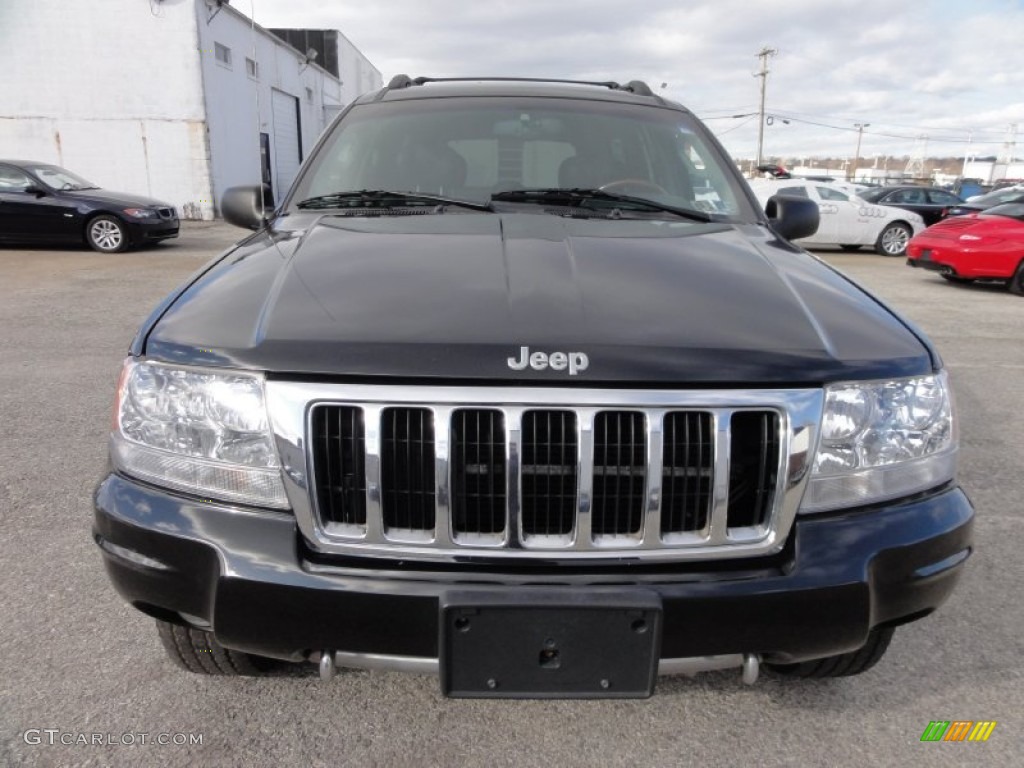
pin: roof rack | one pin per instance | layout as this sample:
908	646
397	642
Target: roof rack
639	87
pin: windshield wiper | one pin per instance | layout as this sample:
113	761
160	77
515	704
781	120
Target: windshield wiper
380	196
578	196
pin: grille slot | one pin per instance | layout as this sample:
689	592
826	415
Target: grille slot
339	446
688	472
753	467
620	471
478	472
407	469
548	473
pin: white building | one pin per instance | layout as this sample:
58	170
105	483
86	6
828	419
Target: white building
991	171
176	99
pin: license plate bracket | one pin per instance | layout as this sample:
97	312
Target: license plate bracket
588	643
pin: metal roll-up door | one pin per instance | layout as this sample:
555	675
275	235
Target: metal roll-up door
287	141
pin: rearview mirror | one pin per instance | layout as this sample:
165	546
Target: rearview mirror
34	189
247	207
792	217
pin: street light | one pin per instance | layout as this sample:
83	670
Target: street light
856	157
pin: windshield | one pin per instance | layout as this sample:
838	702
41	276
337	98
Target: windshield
58	178
1013	210
1001	196
474	148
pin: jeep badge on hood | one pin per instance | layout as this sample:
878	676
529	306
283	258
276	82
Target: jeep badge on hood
576	362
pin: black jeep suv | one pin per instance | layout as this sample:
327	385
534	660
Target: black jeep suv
518	387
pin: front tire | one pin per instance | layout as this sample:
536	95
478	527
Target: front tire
893	239
106	234
845	664
197	651
1017	281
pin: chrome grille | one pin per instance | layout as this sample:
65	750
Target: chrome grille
549	471
454	472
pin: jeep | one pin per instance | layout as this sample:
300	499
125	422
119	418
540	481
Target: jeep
519	387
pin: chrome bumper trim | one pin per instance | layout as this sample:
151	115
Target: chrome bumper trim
427	666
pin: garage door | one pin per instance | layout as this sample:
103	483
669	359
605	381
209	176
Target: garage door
287	144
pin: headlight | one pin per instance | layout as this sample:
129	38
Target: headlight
140	213
198	431
881	440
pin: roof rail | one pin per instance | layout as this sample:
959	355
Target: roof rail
639	87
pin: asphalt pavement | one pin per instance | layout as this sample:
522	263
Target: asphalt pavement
77	664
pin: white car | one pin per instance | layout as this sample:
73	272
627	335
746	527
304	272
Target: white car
846	220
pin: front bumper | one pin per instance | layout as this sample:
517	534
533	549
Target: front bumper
246	575
145	231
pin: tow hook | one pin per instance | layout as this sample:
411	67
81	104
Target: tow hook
327	668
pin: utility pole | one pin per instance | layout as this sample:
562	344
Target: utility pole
763	74
856	155
967	153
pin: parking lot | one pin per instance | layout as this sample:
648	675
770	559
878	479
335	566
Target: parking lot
76	660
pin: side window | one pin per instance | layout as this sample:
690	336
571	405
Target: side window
943	198
827	193
13	180
908	196
794	191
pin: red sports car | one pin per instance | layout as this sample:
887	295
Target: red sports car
980	246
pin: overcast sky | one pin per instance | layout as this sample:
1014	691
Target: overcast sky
945	69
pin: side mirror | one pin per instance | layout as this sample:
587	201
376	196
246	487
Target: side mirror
35	189
247	207
792	217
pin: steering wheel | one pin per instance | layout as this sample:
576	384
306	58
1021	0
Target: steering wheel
625	186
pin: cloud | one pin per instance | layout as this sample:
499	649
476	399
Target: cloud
907	69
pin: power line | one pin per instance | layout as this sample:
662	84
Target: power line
737	127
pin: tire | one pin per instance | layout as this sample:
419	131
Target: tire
850	247
893	239
1017	281
957	279
106	234
196	651
845	664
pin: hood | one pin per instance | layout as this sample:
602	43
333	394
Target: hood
457	296
109	197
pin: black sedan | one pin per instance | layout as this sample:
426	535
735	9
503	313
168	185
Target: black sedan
1014	194
930	203
40	203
